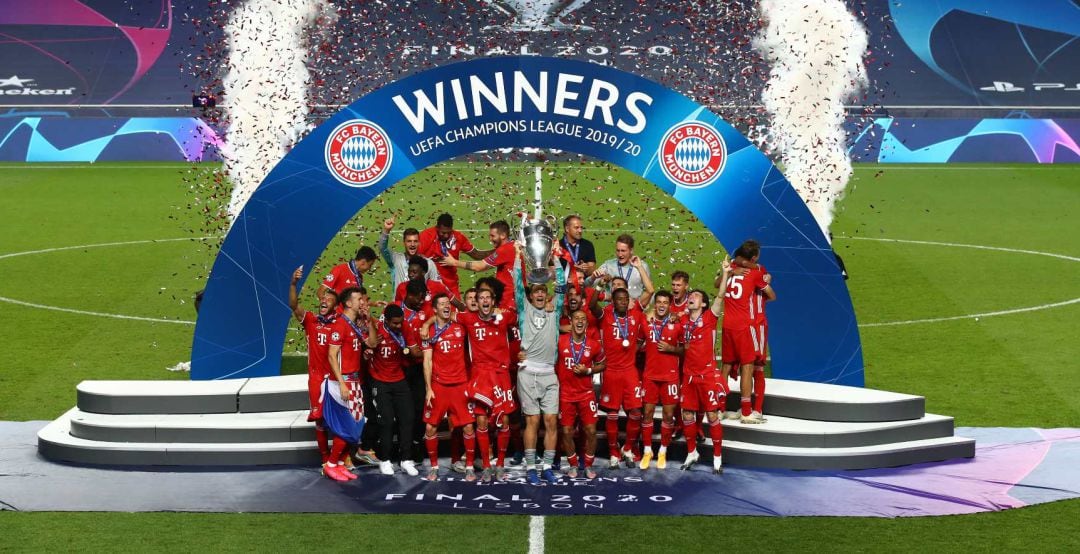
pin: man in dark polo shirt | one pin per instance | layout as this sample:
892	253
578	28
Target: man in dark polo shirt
577	250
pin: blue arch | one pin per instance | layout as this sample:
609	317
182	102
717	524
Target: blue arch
242	324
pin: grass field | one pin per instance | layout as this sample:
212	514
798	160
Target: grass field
100	240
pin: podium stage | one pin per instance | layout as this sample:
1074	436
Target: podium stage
262	421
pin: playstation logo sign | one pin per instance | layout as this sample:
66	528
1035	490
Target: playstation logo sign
1002	86
1005	86
537	15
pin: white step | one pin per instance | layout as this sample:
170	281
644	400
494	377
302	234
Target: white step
56	443
796	399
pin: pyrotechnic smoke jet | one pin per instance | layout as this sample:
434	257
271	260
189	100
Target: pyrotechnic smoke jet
815	50
266	87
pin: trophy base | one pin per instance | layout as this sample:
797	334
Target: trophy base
538	276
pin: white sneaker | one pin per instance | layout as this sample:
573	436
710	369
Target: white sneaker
409	467
386	468
755	417
613	462
731	415
717	465
691	459
458	466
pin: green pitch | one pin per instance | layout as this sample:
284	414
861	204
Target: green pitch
98	265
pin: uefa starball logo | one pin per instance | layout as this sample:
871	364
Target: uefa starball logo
692	154
358	153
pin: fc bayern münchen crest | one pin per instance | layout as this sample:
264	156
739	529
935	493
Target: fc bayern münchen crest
692	154
358	153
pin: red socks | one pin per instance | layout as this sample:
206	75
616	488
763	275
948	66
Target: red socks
589	460
337	452
716	433
572	460
611	426
502	440
455	445
759	389
666	430
646	432
484	440
432	444
690	429
470	449
633	429
745	406
322	440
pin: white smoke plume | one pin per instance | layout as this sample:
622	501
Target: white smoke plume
266	86
815	50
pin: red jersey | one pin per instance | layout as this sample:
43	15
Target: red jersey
514	336
758	303
489	340
502	259
433	288
739	299
410	328
574	387
342	334
432	247
620	336
663	366
700	339
592	331
678	309
318	343
343	276
388	360
447	354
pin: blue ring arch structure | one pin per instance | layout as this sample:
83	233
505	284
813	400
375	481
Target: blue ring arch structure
300	206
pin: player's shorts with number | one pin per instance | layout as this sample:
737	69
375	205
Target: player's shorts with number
621	388
452	400
661	392
701	394
737	346
760	333
571	410
492	392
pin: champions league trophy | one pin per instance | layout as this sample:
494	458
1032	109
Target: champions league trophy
537	15
537	236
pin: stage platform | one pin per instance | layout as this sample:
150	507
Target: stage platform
262	421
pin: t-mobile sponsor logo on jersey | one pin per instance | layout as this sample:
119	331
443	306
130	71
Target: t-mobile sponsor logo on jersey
17	86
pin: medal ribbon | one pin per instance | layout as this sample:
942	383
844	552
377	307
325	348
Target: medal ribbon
359	332
623	326
656	329
399	339
438	332
576	355
694	323
356	273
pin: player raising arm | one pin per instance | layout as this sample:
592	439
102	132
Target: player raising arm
317	329
739	336
398	262
538	386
